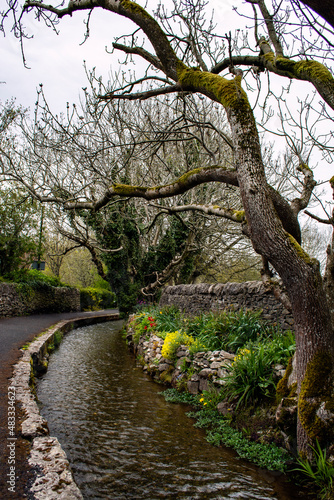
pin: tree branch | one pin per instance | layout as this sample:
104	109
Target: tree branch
139	51
141	95
300	203
227	213
184	183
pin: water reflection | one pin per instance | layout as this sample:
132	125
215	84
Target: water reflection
123	440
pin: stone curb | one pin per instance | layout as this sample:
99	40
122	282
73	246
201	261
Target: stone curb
54	477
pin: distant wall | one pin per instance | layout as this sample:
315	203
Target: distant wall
17	299
203	297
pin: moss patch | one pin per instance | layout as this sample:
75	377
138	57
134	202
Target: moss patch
282	389
316	397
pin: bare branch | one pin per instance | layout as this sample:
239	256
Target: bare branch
309	183
141	95
139	51
228	213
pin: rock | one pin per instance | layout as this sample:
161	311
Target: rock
221	373
54	478
216	364
193	387
182	361
203	385
163	367
278	371
286	413
206	373
224	408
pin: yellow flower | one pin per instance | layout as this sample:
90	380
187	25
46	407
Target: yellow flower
160	312
201	400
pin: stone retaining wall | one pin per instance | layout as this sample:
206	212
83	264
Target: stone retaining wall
20	299
195	375
193	299
54	478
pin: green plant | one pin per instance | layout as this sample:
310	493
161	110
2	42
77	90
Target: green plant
168	319
282	346
94	299
142	323
320	472
220	432
36	278
250	376
243	326
58	336
210	398
173	396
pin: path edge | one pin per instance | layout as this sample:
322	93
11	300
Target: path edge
53	476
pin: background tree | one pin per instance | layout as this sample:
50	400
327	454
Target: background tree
19	224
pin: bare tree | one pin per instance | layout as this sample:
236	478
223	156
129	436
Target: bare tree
191	62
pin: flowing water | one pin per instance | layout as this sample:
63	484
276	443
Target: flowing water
124	441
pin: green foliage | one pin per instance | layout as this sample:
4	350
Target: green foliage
77	268
135	266
94	299
250	376
116	227
142	323
242	326
18	232
211	398
168	319
227	330
219	431
173	396
320	472
36	278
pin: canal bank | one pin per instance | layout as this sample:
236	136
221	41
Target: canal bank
15	332
124	441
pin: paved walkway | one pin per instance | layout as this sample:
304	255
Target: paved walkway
14	333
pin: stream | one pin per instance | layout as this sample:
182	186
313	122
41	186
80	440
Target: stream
124	441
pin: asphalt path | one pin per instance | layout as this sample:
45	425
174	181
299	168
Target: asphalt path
14	333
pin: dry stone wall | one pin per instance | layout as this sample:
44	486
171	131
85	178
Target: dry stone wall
18	300
202	297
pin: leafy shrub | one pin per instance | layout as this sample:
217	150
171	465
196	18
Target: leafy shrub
208	328
250	376
36	278
168	319
94	299
143	323
219	431
242	327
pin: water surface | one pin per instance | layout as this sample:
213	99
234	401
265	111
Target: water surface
124	441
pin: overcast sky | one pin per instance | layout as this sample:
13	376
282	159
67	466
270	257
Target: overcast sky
57	60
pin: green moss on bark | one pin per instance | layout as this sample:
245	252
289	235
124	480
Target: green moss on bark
282	389
315	403
228	92
301	253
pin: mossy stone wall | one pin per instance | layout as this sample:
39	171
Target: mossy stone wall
18	299
203	297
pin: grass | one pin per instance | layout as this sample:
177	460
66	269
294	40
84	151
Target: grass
320	472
